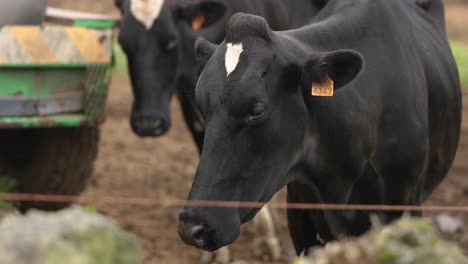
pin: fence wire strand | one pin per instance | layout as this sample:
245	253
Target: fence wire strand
168	203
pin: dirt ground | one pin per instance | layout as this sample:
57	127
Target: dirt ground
164	167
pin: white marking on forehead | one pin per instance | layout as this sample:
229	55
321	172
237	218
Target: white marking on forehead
233	53
146	11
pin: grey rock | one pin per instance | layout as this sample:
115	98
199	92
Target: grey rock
409	241
448	224
71	236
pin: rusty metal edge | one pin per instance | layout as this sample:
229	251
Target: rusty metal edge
67	120
70	17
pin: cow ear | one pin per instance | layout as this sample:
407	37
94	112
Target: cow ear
326	72
203	14
204	50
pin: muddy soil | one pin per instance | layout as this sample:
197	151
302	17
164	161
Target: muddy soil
164	167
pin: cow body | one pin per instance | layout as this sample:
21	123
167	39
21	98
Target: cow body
387	136
159	43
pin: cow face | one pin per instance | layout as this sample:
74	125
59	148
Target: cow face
151	41
254	94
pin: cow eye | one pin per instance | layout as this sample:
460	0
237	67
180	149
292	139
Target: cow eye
257	114
257	111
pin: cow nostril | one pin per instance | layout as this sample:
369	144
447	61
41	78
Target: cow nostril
159	127
150	127
192	234
192	230
198	233
157	123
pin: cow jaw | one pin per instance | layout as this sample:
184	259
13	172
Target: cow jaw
146	11
233	53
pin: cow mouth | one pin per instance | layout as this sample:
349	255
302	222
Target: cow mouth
207	243
209	246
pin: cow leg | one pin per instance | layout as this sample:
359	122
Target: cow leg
206	257
397	181
222	256
403	166
368	189
410	194
301	227
265	234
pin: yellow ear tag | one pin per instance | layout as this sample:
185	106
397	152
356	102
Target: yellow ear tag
198	21
326	88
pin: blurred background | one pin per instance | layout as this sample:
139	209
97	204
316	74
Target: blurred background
164	167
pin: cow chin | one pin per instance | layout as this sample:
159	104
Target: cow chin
249	215
212	243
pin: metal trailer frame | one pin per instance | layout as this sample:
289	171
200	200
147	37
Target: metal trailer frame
56	76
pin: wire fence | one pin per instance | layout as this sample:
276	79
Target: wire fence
166	203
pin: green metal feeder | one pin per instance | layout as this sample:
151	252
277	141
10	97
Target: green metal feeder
54	81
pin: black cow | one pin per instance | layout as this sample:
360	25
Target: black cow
387	136
159	47
158	38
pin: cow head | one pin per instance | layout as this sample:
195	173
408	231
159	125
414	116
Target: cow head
254	93
151	40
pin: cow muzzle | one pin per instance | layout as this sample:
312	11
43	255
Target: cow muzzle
198	232
149	127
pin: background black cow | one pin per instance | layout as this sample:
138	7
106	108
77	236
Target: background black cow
387	136
158	38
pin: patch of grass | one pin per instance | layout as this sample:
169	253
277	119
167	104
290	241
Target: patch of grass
461	56
90	209
7	184
121	65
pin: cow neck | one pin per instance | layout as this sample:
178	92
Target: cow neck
342	24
